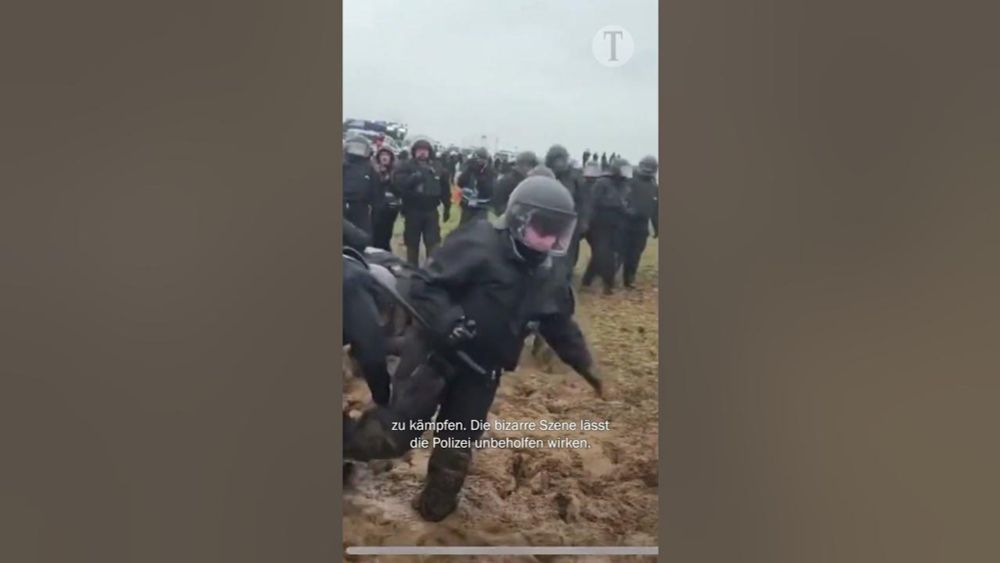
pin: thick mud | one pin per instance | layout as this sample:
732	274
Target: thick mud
605	494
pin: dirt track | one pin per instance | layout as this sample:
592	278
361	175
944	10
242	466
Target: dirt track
602	495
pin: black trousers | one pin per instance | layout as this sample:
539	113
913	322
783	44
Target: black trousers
605	242
420	224
418	389
633	243
360	214
383	223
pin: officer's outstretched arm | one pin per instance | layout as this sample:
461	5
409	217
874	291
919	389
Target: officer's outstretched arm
566	339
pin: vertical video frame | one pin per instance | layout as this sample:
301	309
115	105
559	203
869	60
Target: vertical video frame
500	204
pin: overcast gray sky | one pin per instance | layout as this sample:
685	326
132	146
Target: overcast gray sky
522	71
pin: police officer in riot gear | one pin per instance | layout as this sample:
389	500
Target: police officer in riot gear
361	324
423	186
361	187
557	159
384	215
479	293
523	164
640	211
476	182
607	223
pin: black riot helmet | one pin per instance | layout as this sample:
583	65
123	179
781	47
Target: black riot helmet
620	168
540	217
525	161
358	145
404	155
419	143
482	155
648	166
557	159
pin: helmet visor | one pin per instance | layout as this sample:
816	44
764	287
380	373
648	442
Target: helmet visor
542	230
355	147
626	171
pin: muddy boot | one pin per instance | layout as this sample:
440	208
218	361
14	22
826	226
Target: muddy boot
369	438
446	473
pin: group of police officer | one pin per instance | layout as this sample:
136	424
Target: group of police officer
479	294
616	207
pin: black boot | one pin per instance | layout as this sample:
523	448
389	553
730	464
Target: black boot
446	473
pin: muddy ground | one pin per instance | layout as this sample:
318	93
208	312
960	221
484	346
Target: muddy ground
605	494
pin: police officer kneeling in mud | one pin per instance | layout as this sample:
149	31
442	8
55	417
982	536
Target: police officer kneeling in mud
478	294
361	316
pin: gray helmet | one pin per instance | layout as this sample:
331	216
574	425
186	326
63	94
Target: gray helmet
526	160
358	145
482	154
592	169
540	216
557	158
541	170
648	166
621	168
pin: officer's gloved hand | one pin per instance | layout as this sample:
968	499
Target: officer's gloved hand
463	331
447	214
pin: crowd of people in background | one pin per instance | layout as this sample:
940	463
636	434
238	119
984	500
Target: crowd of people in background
616	204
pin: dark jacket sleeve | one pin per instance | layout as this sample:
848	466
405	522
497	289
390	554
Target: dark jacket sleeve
445	190
558	327
363	333
406	178
487	182
566	339
452	268
465	178
376	193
